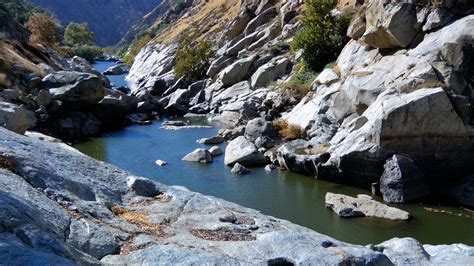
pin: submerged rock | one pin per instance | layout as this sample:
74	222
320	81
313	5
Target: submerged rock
363	205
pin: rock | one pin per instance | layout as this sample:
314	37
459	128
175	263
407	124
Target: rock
438	18
237	71
16	118
263	18
174	123
302	157
116	105
404	251
269	72
115	70
143	187
216	151
259	127
43	98
241	45
457	254
160	163
231	92
390	25
462	192
363	205
211	140
239	169
402	181
76	126
219	64
326	77
244	152
199	155
270	167
76	90
181	97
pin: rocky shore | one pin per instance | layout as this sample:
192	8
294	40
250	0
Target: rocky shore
62	207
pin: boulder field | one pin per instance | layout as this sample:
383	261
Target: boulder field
62	207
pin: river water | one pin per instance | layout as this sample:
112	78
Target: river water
282	194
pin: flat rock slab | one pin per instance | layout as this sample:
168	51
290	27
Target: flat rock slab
361	206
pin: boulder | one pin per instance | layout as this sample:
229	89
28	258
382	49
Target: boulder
231	92
199	155
239	169
218	64
43	98
244	152
259	127
302	157
269	72
115	106
114	70
263	18
143	187
216	151
390	25
402	181
16	118
270	167
76	125
211	140
404	251
237	71
436	19
363	205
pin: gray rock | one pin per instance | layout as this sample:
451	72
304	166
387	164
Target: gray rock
239	169
244	152
43	98
237	71
76	126
302	157
199	155
269	72
211	140
16	118
259	127
219	64
438	18
363	205
404	251
115	70
263	18
270	167
402	181
216	151
143	187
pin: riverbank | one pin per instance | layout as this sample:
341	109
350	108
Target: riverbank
107	215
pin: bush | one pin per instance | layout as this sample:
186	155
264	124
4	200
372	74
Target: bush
44	29
135	48
88	52
289	131
193	59
300	84
78	34
323	35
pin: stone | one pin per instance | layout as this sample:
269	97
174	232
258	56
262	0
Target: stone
259	127
211	140
363	205
231	92
244	152
43	98
160	163
263	18
143	187
216	151
237	71
462	192
218	64
16	118
76	126
199	155
301	156
115	70
402	181
269	72
437	18
239	169
326	77
270	167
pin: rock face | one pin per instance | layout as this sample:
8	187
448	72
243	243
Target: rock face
244	152
402	181
363	205
16	118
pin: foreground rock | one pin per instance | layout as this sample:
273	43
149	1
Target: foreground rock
66	208
16	118
363	205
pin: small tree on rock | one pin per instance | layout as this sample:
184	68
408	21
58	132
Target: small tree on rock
193	59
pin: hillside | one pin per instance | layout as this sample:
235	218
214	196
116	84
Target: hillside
109	20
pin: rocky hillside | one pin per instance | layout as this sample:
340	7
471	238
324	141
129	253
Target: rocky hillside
109	20
392	114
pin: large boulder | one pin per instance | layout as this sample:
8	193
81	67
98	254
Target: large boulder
114	106
270	72
16	118
263	18
199	155
402	181
363	205
241	150
218	64
115	70
237	71
259	127
76	125
302	157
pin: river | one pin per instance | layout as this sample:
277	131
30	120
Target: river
282	194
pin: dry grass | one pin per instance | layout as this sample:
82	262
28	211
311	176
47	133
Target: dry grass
221	234
7	164
289	131
140	219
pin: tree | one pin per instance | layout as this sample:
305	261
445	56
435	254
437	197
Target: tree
78	34
193	59
323	34
44	29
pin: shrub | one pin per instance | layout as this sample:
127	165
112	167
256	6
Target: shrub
88	52
44	29
323	35
78	34
135	48
289	131
193	59
300	84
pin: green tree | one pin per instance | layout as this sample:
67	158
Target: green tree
193	59
323	34
78	34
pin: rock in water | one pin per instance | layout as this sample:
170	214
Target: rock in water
161	163
114	70
239	169
211	140
215	151
363	205
199	155
402	181
244	152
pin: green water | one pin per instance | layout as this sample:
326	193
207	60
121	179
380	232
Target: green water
282	194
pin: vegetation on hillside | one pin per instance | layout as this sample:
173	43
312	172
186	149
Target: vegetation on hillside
21	10
289	131
193	59
134	49
79	41
44	29
323	35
